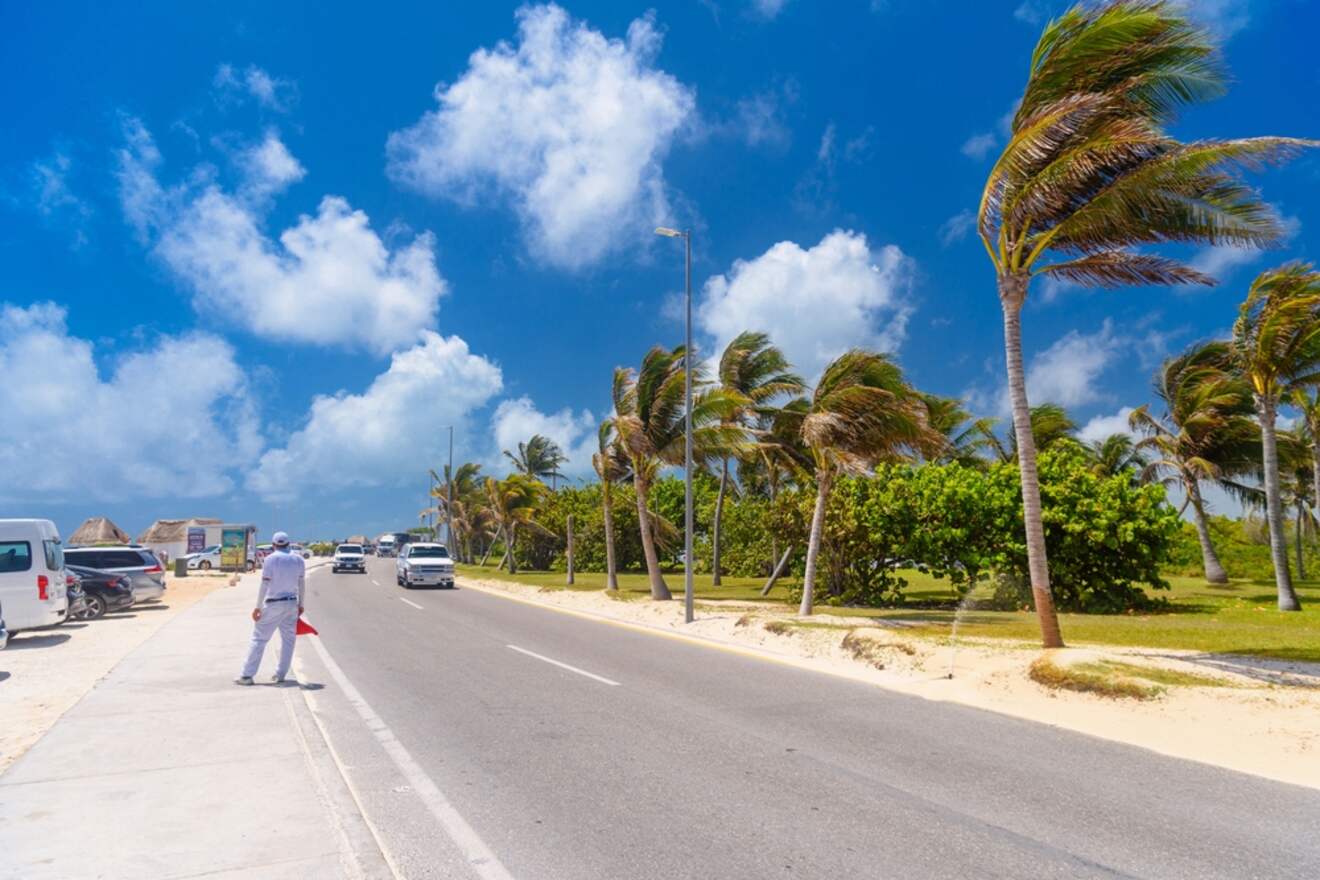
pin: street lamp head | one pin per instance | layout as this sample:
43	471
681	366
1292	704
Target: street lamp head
666	231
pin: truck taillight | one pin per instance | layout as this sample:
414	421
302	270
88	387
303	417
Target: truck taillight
43	584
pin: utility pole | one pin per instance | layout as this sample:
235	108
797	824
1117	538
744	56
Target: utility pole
449	501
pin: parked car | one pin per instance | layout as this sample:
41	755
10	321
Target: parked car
205	560
424	564
301	551
4	633
136	563
106	591
73	591
33	588
348	557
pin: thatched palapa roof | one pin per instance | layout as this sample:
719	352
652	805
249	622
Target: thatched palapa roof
99	530
168	531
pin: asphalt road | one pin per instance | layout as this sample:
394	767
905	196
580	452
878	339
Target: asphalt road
487	738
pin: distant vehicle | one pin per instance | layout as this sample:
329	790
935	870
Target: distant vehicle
348	557
106	591
385	546
137	564
205	560
33	587
301	551
424	564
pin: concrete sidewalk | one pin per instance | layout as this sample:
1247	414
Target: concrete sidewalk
166	769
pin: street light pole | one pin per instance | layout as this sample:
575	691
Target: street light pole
449	501
686	235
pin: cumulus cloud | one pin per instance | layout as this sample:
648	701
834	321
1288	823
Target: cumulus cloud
328	280
515	421
815	303
173	420
569	125
978	146
252	82
1068	372
1102	426
386	434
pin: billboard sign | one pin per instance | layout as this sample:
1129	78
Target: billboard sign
196	539
233	548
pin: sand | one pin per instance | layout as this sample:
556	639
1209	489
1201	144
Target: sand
1265	720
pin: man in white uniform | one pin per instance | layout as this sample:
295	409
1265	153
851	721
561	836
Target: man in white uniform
279	602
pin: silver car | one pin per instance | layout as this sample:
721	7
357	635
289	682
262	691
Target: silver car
138	564
424	564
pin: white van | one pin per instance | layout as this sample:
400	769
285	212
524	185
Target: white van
32	585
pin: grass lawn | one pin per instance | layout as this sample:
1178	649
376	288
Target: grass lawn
1239	618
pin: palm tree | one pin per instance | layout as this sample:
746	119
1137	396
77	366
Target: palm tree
649	421
966	439
1050	423
1276	343
1206	434
862	412
464	507
1297	481
1116	455
538	458
514	502
753	370
1307	402
1089	172
611	466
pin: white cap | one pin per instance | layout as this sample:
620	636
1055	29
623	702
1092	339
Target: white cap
280	539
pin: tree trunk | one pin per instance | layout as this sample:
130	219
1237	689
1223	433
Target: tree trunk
485	557
715	526
1012	294
659	589
509	554
1265	411
778	570
1301	515
611	571
569	579
813	547
1214	570
1315	470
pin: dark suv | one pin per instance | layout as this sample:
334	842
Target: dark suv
138	564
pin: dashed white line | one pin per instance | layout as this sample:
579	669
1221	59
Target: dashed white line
479	856
591	675
407	602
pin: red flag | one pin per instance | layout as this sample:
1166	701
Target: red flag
306	629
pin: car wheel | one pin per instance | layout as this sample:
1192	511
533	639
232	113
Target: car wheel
204	565
96	607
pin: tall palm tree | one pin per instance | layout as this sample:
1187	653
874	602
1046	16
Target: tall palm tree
1297	479
862	411
514	503
1089	172
1276	343
611	464
462	508
649	420
538	458
1307	402
1050	423
1205	435
1116	455
966	439
753	370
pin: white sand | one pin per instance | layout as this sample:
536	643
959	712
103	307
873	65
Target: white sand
1266	723
45	672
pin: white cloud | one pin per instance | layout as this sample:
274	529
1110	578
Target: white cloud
1032	12
814	303
957	227
978	146
515	421
270	92
1223	18
1100	427
761	120
329	280
1068	372
568	124
388	434
768	8
54	200
170	421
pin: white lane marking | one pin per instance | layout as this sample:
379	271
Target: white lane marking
479	857
590	675
407	602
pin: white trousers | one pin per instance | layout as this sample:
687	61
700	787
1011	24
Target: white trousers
282	616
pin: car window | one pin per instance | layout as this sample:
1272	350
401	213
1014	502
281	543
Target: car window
54	554
350	548
89	558
427	552
121	559
15	556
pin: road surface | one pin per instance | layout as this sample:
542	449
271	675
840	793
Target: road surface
484	737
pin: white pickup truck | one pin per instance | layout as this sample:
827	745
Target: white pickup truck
425	564
349	557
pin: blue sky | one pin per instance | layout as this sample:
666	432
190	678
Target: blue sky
255	258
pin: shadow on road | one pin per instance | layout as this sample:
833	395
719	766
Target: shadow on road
23	642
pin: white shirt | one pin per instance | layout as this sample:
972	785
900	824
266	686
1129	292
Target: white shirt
282	577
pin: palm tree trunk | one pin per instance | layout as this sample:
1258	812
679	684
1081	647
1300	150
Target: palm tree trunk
611	571
1301	516
715	527
513	540
1265	411
489	547
1315	471
823	479
1012	294
659	589
1214	569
